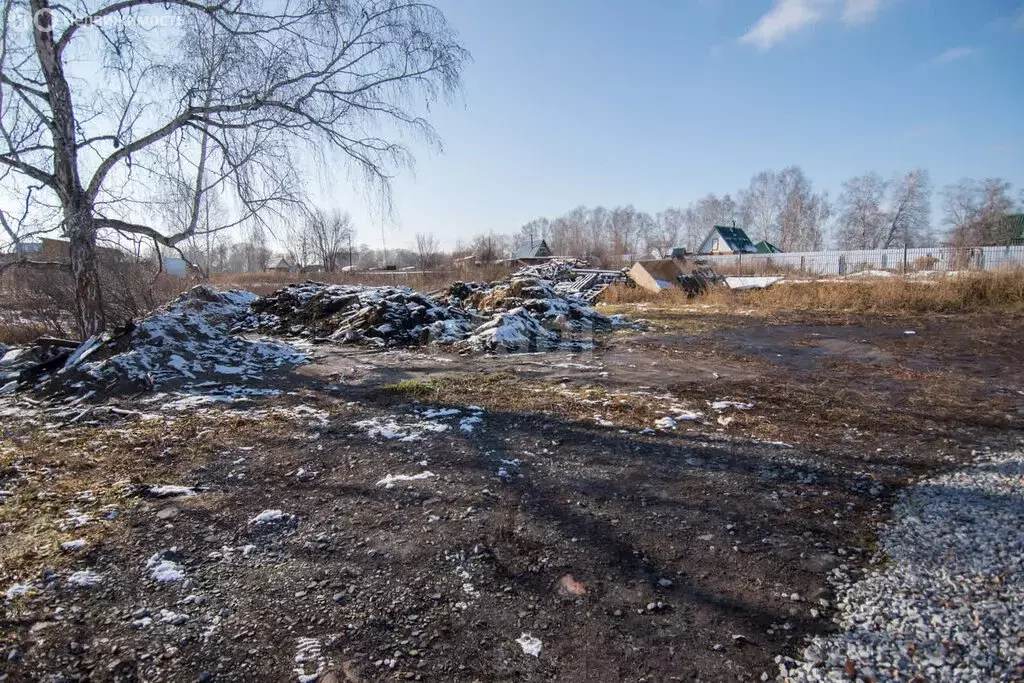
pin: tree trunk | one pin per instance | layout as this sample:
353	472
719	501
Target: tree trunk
79	223
89	315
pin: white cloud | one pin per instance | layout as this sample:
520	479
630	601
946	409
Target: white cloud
953	54
784	18
860	12
787	17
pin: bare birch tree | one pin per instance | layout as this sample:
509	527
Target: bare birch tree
98	109
428	249
759	206
862	219
706	213
803	213
299	243
666	232
976	212
330	234
909	212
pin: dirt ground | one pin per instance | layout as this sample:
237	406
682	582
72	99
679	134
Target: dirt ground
557	502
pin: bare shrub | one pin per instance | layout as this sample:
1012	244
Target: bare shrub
37	302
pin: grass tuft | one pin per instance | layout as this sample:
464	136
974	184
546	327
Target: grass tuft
412	387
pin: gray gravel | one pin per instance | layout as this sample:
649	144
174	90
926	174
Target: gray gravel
947	603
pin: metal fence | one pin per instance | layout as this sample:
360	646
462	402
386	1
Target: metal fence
897	260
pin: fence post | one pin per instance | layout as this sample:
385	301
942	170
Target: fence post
904	259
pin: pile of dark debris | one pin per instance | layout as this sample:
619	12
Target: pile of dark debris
207	337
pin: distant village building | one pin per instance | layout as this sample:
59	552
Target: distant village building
1014	228
281	266
531	254
727	240
57	251
766	247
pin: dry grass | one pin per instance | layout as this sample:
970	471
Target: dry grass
88	467
625	294
18	333
1003	291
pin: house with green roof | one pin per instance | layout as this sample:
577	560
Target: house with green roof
1015	228
766	247
727	240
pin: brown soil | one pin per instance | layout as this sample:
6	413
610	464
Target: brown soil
693	553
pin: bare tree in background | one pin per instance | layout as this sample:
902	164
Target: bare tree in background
908	221
706	213
488	247
666	231
879	214
760	205
862	219
428	249
803	213
299	243
258	253
622	230
535	231
330	234
976	212
97	109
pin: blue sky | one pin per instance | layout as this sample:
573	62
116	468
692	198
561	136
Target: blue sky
658	103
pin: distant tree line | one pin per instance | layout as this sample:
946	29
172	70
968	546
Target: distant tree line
782	207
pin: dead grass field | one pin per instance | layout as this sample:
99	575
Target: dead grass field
675	538
966	293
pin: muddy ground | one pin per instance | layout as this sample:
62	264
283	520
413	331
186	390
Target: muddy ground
557	502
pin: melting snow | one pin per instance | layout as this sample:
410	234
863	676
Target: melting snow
431	413
270	517
170	490
467	425
726	405
308	651
18	589
85	578
390	428
531	645
665	423
390	480
164	570
189	336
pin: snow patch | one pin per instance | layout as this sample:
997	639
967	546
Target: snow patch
390	480
163	569
531	646
721	406
18	590
271	517
85	578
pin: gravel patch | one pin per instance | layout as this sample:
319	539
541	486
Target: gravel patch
947	605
